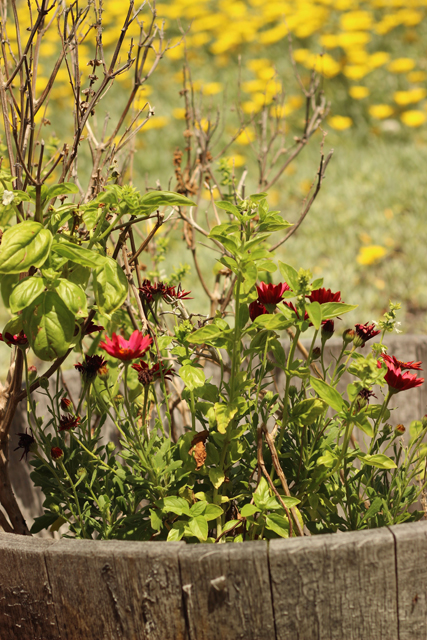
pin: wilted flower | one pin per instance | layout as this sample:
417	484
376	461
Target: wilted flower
92	328
18	340
363	398
91	366
26	442
162	290
65	403
125	350
398	381
147	374
68	422
364	332
402	365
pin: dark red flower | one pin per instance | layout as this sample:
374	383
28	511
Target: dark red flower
153	291
324	295
171	295
256	309
56	453
402	365
398	381
18	340
364	332
92	328
91	366
363	398
27	442
271	293
147	374
125	350
68	422
65	403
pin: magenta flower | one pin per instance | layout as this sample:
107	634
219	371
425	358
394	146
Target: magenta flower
398	380
125	350
402	365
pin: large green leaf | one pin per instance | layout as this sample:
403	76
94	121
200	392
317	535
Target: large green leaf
335	309
327	393
73	296
204	334
224	413
290	275
110	286
378	460
79	255
199	528
8	283
306	411
23	246
25	293
155	199
193	376
314	311
49	326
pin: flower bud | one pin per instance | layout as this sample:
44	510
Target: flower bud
293	390
400	429
65	404
327	330
32	373
317	352
44	383
54	507
348	335
81	472
424	421
56	453
111	447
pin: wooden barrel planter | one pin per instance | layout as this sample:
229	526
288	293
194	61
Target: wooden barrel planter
367	585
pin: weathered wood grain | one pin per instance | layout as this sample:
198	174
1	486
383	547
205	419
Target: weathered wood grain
26	605
335	587
227	591
116	590
411	567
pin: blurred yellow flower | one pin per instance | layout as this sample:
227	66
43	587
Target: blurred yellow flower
178	113
370	254
237	159
358	92
329	41
413	118
407	97
417	76
380	111
340	123
212	88
356	20
245	137
157	122
401	65
378	58
353	39
356	71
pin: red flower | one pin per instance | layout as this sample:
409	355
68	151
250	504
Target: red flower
26	442
18	340
176	295
68	422
91	366
398	381
402	365
364	332
56	453
324	295
162	290
65	404
328	329
256	309
271	293
123	349
147	375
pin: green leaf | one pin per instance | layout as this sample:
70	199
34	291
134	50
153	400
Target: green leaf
204	334
79	255
199	528
49	326
212	512
217	477
23	246
155	199
415	430
262	494
314	310
25	293
224	413
198	508
177	531
192	376
328	459
73	296
378	460
327	393
334	309
62	189
175	505
272	322
278	524
250	275
230	208
248	510
110	286
290	275
43	522
308	410
8	283
156	519
363	423
375	507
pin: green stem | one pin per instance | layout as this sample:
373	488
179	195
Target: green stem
67	475
286	397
